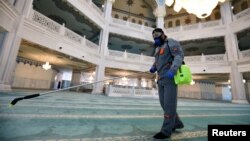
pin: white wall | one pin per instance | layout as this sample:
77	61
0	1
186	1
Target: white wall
30	76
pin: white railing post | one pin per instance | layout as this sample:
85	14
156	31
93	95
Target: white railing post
127	23
141	57
62	29
203	58
83	41
125	55
199	25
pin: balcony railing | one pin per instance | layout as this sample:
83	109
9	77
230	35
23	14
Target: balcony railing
242	14
94	6
195	26
113	90
188	59
131	25
91	4
54	27
245	54
129	56
206	58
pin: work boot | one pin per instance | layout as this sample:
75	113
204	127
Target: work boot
179	125
160	135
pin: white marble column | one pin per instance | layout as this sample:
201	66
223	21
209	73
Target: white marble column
10	46
8	56
100	72
76	79
104	36
160	13
232	50
27	7
237	85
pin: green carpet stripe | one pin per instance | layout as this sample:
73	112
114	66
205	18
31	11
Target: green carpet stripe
130	108
64	116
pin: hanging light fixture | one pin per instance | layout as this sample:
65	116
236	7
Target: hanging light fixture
200	8
46	66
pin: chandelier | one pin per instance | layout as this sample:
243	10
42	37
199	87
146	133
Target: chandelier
46	66
200	8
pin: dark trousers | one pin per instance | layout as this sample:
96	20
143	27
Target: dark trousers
168	99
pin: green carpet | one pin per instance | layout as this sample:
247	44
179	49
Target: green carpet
71	116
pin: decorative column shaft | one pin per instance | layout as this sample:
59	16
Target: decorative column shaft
232	50
99	76
11	45
8	56
104	36
160	13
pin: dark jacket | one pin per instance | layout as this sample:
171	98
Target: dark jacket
169	56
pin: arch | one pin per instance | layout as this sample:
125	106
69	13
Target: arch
187	21
177	22
125	18
170	24
217	15
116	16
139	22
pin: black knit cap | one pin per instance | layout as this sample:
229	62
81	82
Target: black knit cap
158	30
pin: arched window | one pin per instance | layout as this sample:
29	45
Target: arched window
217	15
125	18
139	22
208	18
198	20
117	16
146	24
170	24
187	21
133	20
177	22
244	5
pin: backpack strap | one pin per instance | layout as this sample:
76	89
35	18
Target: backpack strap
172	55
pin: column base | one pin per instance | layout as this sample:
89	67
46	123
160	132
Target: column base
5	88
240	101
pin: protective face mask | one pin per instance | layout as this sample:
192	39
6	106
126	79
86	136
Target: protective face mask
158	42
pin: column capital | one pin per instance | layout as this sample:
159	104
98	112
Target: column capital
160	11
226	12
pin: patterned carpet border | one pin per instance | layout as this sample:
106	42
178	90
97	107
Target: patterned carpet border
176	136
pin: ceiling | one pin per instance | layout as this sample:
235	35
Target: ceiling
131	45
41	54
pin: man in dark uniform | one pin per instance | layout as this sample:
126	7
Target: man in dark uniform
168	58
